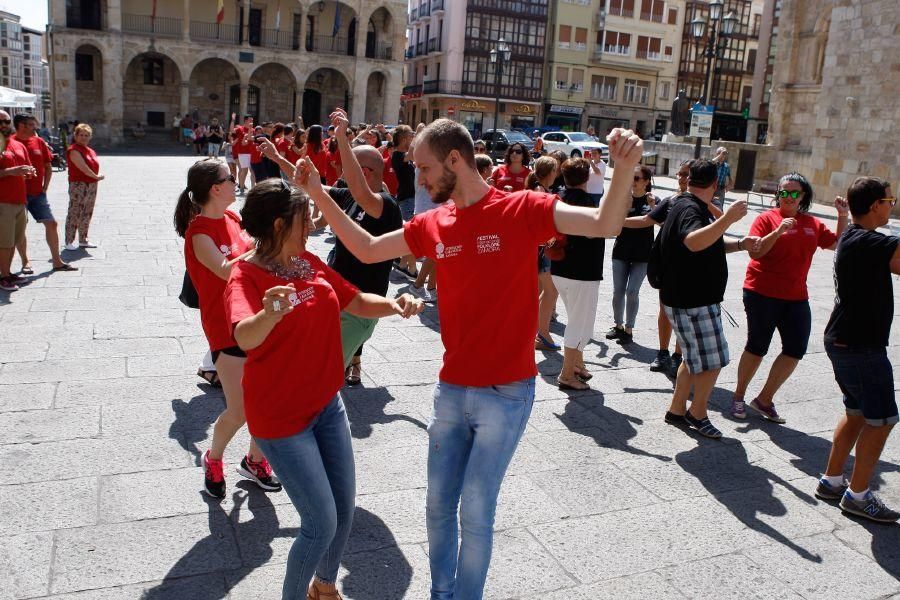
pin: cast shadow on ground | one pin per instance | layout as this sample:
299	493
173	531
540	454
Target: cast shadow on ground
194	417
376	567
367	407
885	544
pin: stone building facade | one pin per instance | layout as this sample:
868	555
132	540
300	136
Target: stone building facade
114	63
834	113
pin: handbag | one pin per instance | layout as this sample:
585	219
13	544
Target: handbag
188	295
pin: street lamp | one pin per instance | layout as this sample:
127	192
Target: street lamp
499	56
721	28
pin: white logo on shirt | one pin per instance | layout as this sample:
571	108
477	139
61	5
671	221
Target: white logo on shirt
225	249
442	251
488	243
301	296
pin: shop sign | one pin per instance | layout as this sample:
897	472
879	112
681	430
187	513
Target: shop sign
609	113
701	120
566	110
451	110
472	105
523	109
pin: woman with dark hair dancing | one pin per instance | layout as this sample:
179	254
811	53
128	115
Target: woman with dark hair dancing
285	305
213	241
775	294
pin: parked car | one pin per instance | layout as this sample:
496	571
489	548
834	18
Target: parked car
573	143
497	141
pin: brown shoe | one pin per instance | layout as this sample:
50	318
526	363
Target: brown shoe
315	593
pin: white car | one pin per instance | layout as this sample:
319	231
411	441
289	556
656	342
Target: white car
573	143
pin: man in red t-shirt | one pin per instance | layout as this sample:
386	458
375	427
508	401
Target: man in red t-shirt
36	192
485	391
242	150
15	168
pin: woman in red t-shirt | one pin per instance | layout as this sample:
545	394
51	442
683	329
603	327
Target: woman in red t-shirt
775	294
285	305
84	173
213	241
316	149
334	170
511	175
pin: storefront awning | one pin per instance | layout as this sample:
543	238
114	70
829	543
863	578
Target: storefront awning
10	98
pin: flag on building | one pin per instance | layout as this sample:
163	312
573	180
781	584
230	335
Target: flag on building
153	11
220	12
278	16
337	19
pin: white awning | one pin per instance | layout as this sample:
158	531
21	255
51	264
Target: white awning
10	98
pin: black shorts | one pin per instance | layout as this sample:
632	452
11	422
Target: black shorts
230	351
792	319
866	378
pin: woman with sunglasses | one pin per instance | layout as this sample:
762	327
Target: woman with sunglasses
775	294
630	256
545	172
511	175
285	304
213	242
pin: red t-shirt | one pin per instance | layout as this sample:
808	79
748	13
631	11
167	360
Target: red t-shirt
232	241
489	288
331	174
289	153
503	177
90	159
12	189
782	272
297	370
320	158
240	147
283	146
390	177
40	155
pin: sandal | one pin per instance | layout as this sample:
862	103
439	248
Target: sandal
211	377
572	386
583	374
65	267
27	271
352	374
544	344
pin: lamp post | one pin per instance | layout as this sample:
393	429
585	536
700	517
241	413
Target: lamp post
721	28
499	56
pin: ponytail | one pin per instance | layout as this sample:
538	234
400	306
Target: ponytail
185	211
202	175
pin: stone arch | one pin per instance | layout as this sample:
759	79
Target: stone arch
89	92
151	91
379	34
376	92
209	89
324	89
277	92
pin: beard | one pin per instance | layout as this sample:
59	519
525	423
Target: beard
441	192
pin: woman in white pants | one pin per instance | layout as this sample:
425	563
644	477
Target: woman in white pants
577	275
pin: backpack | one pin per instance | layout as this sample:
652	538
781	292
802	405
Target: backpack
656	265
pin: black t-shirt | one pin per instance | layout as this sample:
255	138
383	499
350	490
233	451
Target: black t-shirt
864	298
368	278
633	245
406	175
691	279
216	134
584	255
659	212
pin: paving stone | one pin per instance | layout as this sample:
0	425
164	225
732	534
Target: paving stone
25	565
388	518
48	332
94	304
133	390
95	281
79	369
134	291
162	365
116	554
26	396
522	502
49	505
201	587
645	585
33	319
521	566
404	373
124	330
723	577
398	468
138	315
48	425
592	489
117	348
23	352
166	418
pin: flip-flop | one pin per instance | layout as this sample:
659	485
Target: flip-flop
542	343
27	271
350	377
211	377
65	267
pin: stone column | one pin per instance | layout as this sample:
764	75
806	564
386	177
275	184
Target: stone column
298	103
113	93
184	88
114	15
245	89
393	86
186	22
357	106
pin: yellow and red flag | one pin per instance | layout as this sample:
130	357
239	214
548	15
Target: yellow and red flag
220	12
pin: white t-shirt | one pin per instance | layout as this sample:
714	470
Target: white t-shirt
595	180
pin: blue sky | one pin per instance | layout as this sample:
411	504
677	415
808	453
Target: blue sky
33	12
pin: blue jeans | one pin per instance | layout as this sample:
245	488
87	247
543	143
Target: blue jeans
316	468
627	280
472	436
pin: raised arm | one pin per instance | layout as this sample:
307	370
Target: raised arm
843	209
703	238
370	202
625	148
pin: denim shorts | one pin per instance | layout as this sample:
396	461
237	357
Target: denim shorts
39	208
792	319
866	378
543	261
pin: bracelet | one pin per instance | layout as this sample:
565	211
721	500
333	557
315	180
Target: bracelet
740	246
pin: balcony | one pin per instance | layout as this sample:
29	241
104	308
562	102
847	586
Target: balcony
618	11
519	51
617	50
327	44
437	6
420	48
509	7
489	90
425	11
380	51
414	15
652	17
157	27
410	53
277	38
413	90
434	45
214	32
657	56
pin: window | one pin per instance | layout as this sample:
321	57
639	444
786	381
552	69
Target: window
4	70
664	88
621	8
673	16
84	67
636	92
153	71
649	48
565	36
562	78
757	23
667	55
581	38
652	10
603	88
577	80
27	72
617	43
751	60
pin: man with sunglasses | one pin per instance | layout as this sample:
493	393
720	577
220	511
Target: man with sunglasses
856	339
15	168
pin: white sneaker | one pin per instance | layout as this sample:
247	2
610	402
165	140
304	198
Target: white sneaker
72	246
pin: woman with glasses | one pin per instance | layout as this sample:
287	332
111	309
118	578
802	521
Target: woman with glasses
213	241
630	256
480	147
775	294
511	175
545	172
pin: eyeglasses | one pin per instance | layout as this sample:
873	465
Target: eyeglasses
794	194
5	121
891	200
516	151
229	178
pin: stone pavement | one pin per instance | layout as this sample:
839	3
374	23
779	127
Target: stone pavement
103	421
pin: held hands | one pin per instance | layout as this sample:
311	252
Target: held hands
842	206
306	175
736	211
340	121
787	224
406	305
750	243
625	147
267	148
276	303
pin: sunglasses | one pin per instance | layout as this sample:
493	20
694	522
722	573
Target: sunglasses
5	121
516	151
892	201
229	178
793	194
